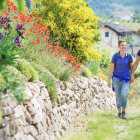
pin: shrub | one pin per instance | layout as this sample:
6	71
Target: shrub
46	77
93	66
85	72
26	68
65	75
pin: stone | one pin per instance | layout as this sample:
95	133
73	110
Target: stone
7	111
19	111
28	94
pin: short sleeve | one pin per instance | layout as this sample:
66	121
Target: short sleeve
113	59
138	54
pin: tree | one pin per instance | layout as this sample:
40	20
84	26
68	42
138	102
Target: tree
75	24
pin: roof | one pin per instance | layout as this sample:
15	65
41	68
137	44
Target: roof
120	30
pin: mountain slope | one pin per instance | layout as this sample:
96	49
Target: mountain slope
107	7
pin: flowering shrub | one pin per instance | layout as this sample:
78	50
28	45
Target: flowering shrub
85	72
38	47
75	24
10	43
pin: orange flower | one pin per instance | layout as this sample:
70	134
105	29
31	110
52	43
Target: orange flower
22	45
28	34
75	74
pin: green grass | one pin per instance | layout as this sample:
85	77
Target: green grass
105	125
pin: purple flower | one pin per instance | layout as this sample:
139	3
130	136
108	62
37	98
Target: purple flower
19	26
1	35
17	41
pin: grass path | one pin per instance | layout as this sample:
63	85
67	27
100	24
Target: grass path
107	126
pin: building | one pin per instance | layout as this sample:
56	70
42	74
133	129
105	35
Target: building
111	33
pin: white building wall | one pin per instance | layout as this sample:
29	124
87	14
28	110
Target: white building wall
112	40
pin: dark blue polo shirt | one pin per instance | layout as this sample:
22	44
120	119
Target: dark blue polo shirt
138	54
122	68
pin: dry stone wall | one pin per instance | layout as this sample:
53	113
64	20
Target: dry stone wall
37	119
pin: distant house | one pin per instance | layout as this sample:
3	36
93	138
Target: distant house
123	15
136	38
111	33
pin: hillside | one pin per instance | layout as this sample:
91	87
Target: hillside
106	8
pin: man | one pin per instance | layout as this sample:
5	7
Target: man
135	66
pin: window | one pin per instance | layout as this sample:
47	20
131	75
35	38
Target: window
106	34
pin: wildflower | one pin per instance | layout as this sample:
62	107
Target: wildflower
83	126
38	41
56	43
33	42
17	41
133	94
1	35
15	17
19	26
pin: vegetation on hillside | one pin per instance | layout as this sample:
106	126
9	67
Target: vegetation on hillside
105	8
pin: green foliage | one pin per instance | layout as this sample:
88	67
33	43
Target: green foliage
50	85
21	5
128	39
11	84
106	57
9	81
0	116
2	4
26	68
85	71
93	66
137	72
46	77
65	75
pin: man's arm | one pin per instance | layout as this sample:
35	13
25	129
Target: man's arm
135	64
134	68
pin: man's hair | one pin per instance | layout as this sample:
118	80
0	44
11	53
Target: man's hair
120	41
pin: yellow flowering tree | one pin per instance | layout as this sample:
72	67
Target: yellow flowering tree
75	24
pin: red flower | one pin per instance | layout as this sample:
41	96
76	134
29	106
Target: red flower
37	40
15	17
8	9
33	42
56	43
